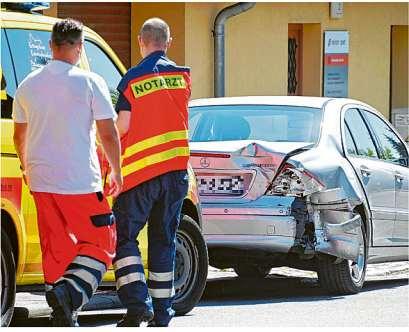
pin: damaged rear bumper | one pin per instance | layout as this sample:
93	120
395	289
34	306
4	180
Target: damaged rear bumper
322	223
266	224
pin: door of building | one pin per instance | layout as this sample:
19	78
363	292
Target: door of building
399	80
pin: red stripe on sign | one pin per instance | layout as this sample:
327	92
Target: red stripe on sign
11	190
336	59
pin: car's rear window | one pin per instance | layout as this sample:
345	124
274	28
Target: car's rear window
254	122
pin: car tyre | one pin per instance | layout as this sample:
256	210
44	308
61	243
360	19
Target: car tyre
345	277
8	280
191	266
252	271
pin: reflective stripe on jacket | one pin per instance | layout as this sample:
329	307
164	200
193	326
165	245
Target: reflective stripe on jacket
157	140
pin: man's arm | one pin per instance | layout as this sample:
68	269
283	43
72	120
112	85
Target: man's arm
20	135
109	137
123	121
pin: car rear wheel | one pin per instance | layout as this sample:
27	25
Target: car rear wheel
346	277
252	271
8	280
191	265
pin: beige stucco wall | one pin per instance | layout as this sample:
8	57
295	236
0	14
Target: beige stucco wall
256	47
172	13
199	45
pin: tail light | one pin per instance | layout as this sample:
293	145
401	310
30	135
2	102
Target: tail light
293	181
223	184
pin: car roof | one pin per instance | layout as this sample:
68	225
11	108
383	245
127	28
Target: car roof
12	19
316	102
37	20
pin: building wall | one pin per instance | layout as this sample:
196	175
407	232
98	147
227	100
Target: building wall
111	20
256	47
199	45
257	44
173	14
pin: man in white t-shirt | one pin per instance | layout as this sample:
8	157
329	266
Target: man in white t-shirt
57	110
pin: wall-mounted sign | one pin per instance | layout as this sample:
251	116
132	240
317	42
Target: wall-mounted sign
336	49
336	10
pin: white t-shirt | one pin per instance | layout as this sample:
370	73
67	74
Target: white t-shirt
60	103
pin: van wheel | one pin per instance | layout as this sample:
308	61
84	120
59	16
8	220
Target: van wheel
252	271
346	277
8	280
191	265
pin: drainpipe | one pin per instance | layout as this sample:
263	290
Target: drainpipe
218	34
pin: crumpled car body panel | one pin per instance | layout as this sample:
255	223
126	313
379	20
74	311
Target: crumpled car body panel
327	211
326	221
255	220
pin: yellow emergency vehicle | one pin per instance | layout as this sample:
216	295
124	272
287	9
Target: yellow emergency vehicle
24	48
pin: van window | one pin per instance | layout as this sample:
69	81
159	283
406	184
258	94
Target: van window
30	50
100	63
8	80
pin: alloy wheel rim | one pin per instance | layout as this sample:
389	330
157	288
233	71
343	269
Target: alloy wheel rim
356	268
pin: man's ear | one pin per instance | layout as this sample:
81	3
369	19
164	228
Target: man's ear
140	41
169	43
80	47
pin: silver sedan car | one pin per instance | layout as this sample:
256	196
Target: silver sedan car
318	184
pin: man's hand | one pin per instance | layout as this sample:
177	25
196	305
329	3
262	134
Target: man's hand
109	137
115	184
25	178
19	137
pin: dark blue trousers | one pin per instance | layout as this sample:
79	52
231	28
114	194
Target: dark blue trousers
158	202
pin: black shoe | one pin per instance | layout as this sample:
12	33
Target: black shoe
152	323
60	301
134	319
74	318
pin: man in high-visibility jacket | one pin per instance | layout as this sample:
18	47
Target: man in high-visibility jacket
153	123
56	111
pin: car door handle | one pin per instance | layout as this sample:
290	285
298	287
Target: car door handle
365	171
399	177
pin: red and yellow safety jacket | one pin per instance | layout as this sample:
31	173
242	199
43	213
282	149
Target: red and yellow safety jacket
156	92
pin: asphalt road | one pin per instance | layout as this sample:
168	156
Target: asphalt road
280	301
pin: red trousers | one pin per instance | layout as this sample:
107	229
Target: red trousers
71	226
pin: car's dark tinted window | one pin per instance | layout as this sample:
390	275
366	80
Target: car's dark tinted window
101	64
360	134
30	50
255	122
349	142
393	150
8	81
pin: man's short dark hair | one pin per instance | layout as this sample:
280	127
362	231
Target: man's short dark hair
67	31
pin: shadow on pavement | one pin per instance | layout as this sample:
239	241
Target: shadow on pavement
236	291
97	319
